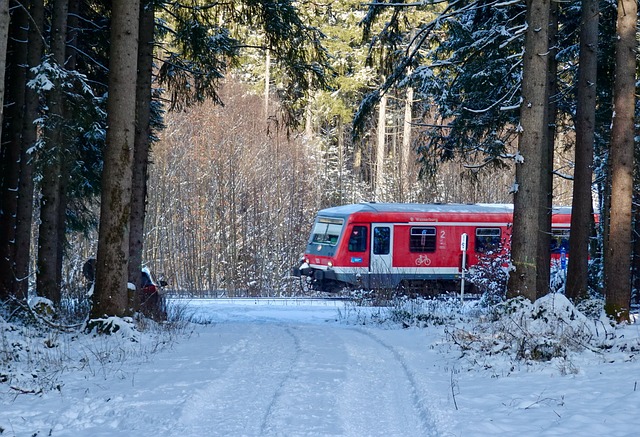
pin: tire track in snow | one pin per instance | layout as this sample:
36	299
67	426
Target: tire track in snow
280	388
424	415
305	402
239	399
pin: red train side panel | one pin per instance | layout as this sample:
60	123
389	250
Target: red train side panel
376	245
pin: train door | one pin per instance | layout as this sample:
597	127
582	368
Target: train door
381	253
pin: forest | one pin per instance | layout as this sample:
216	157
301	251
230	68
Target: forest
198	139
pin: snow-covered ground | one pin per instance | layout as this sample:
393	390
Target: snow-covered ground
316	368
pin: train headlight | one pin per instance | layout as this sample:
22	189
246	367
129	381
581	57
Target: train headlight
329	264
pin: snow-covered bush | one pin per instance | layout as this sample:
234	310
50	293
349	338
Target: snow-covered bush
558	276
424	312
36	351
489	277
124	327
551	328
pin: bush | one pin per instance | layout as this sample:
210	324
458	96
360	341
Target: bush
490	277
547	329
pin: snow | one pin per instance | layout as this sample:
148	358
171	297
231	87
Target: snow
300	367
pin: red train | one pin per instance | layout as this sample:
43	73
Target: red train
386	245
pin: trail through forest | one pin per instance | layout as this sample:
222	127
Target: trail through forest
318	368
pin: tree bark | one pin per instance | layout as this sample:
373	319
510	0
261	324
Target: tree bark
4	37
110	294
582	204
406	145
544	252
381	148
24	213
49	275
617	260
267	83
14	99
5	265
142	142
530	200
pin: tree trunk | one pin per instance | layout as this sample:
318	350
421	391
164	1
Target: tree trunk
582	209
24	215
406	145
635	282
380	148
14	99
110	294
4	37
530	200
544	251
49	274
267	83
142	142
70	59
617	260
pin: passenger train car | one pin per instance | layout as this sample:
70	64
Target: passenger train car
386	245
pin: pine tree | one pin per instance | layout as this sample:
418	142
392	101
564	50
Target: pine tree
111	292
530	274
49	249
617	258
14	100
582	206
4	35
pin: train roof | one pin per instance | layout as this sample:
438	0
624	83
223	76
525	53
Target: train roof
477	208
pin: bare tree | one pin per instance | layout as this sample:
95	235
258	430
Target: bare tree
381	147
110	296
617	257
405	151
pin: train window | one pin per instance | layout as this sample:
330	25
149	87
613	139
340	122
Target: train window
381	240
422	239
487	239
559	240
327	231
358	239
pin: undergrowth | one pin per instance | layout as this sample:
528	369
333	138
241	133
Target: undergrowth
509	335
37	350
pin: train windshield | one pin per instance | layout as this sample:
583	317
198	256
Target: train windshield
327	231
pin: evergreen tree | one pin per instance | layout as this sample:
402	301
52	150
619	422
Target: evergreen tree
4	35
49	274
617	258
24	214
582	206
111	292
13	116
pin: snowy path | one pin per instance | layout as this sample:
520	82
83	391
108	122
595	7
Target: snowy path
247	374
274	379
292	369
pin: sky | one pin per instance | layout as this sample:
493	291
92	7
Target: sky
300	367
